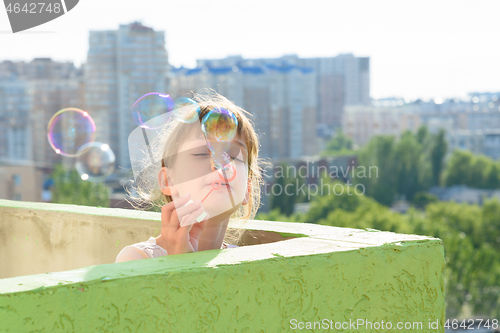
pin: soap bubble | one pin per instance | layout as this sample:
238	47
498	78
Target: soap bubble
70	129
146	110
187	110
95	162
220	124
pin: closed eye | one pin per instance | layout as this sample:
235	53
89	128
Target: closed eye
236	158
232	158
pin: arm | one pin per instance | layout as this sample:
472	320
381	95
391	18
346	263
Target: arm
129	253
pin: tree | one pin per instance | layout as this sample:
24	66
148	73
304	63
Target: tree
339	144
280	198
413	168
458	168
470	233
423	136
69	188
493	176
422	199
478	171
438	153
471	236
378	161
476	177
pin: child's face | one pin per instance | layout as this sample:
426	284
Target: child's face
193	172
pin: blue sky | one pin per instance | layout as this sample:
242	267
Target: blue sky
418	49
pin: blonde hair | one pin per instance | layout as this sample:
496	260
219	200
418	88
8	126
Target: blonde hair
169	138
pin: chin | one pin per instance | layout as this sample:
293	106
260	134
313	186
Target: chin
216	205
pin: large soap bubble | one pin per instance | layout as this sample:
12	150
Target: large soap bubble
70	129
95	162
146	109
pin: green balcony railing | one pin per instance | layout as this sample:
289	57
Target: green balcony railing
57	273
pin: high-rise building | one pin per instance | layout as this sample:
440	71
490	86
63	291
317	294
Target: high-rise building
30	94
15	127
281	99
122	65
340	80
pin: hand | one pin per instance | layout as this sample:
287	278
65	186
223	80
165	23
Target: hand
179	239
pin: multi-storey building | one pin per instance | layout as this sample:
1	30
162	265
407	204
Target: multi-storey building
282	100
122	65
15	127
486	142
30	94
340	80
20	180
362	122
471	125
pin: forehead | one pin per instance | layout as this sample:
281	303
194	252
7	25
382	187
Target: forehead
193	136
198	139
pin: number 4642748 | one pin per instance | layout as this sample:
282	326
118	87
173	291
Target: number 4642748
33	8
471	323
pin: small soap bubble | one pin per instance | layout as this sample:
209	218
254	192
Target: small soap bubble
96	162
186	110
70	129
146	109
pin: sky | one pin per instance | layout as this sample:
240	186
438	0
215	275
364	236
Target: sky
418	49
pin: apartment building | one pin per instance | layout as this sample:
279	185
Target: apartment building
122	65
30	94
281	99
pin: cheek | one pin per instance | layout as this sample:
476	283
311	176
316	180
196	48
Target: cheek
241	177
193	187
191	170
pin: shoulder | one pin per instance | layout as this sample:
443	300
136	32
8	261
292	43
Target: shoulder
129	253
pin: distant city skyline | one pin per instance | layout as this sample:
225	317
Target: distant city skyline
423	50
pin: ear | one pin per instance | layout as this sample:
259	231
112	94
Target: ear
247	193
163	181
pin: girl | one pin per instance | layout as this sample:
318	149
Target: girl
187	174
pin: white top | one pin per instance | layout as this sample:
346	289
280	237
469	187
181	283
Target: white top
149	249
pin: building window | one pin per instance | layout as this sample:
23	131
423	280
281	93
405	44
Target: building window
17	179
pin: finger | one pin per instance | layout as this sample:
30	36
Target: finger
167	209
170	216
190	219
178	203
188	209
166	213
